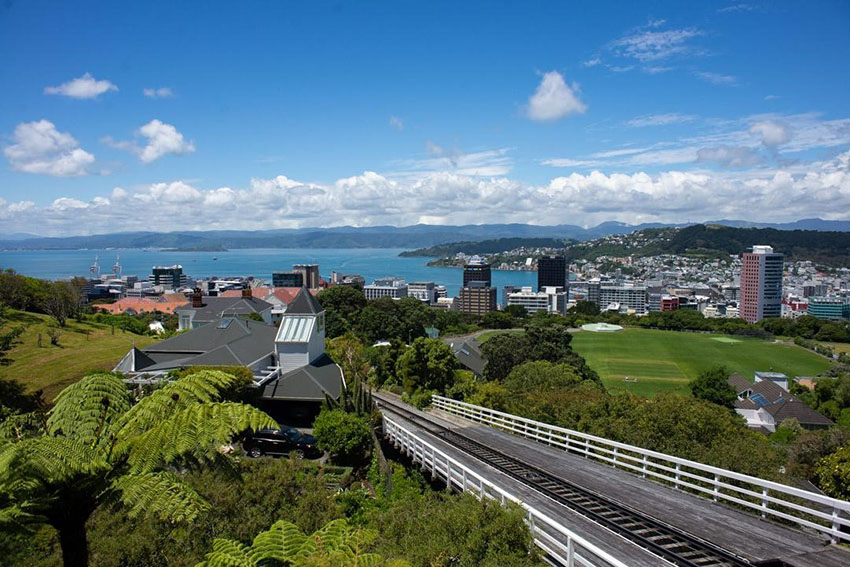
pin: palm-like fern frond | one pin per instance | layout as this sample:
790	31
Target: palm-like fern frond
18	426
160	494
337	543
50	460
199	387
195	432
84	410
228	553
280	543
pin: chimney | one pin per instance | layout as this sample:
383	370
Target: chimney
246	293
197	298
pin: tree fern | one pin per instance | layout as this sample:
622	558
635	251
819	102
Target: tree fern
197	388
280	543
194	432
160	494
337	544
85	410
95	449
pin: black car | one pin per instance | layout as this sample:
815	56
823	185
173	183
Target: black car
282	441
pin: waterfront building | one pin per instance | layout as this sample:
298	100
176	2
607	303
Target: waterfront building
761	284
395	288
551	299
477	270
552	272
311	274
423	291
476	299
170	277
288	279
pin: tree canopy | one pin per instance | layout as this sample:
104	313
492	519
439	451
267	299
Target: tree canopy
96	448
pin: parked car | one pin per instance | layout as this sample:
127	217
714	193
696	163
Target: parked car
282	441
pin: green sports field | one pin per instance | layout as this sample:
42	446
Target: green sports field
658	361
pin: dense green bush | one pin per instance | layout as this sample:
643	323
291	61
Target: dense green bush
345	436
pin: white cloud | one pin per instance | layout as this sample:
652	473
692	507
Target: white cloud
485	163
40	148
819	188
660	119
554	99
567	162
592	62
647	46
397	123
771	97
162	139
729	156
162	92
772	134
82	87
736	8
717	78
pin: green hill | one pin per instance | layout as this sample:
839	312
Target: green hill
83	347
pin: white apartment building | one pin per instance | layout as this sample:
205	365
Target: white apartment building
550	299
395	288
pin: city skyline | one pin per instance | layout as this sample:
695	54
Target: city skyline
119	118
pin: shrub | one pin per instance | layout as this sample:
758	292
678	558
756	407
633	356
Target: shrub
345	436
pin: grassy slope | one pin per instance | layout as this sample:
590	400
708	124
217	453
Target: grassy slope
667	360
51	368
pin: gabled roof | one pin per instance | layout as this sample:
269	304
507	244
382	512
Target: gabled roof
468	353
798	410
307	383
304	304
226	342
216	307
762	393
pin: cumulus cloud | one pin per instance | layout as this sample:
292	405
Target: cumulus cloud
660	119
397	123
162	92
772	134
446	197
40	148
162	139
82	87
554	99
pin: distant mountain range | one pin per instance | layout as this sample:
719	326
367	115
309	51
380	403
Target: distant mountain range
415	236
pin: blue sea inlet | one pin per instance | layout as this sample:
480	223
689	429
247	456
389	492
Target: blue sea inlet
371	263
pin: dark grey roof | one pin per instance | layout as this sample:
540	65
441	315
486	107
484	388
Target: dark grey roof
308	383
304	304
798	410
217	307
239	343
468	353
769	390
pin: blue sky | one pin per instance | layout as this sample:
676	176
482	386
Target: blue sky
260	115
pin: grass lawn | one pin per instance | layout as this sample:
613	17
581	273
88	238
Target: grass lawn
668	360
83	347
487	335
843	348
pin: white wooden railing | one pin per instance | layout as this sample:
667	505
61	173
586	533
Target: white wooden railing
557	542
801	507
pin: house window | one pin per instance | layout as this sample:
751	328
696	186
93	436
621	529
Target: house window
321	322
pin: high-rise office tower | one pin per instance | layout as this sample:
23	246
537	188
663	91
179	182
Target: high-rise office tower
761	284
551	272
476	270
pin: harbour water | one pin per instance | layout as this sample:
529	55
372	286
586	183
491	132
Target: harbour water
371	263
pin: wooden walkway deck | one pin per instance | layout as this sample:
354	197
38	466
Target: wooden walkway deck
757	540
